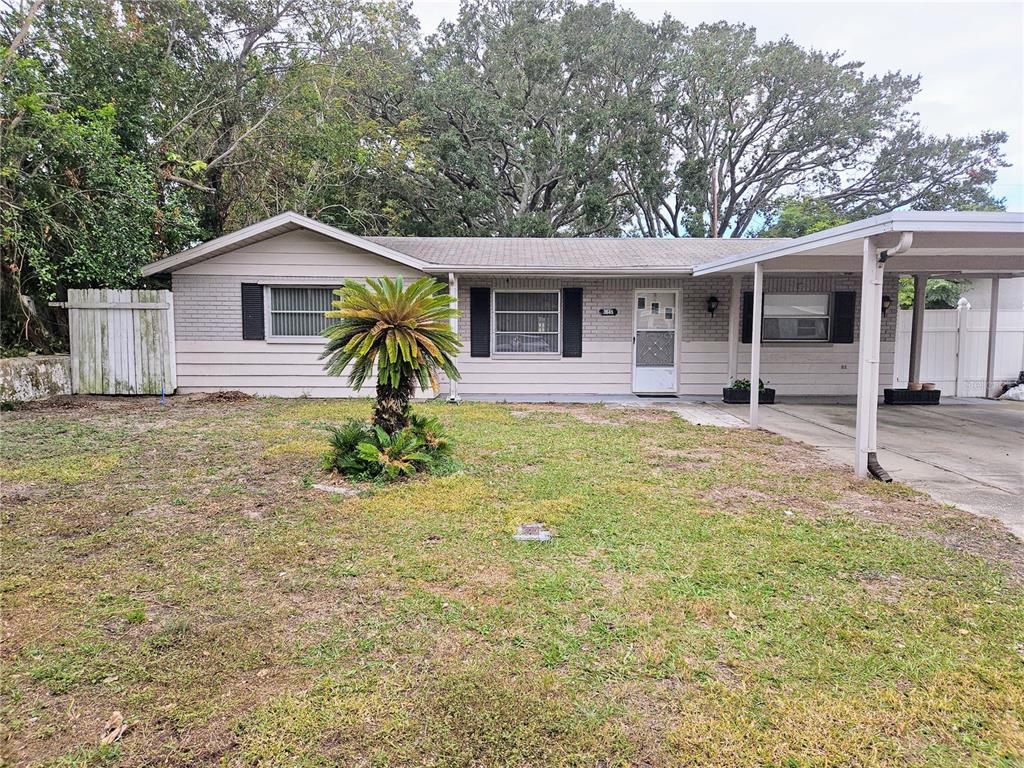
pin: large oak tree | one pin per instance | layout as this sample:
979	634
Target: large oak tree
132	128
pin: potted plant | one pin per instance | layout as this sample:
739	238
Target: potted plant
739	392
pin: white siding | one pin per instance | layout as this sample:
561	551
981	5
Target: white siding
299	254
791	369
211	354
605	368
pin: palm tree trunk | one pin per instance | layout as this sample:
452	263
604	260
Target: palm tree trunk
391	411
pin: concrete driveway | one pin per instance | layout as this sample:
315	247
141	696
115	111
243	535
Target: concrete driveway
964	452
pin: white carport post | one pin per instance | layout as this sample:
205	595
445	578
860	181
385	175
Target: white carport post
993	327
873	271
917	328
755	345
453	291
735	299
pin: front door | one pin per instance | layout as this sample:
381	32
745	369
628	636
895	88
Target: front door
654	343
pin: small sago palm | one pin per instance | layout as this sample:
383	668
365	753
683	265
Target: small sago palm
403	331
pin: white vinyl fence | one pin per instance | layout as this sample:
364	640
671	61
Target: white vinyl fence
954	353
122	342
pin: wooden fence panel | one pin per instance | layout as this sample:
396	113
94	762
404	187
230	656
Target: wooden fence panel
122	342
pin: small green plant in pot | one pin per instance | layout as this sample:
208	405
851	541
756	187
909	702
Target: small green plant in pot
739	392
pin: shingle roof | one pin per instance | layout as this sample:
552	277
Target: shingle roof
570	253
489	254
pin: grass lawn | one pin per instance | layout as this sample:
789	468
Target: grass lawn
713	597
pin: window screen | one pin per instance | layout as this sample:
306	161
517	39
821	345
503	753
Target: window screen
527	321
299	311
796	317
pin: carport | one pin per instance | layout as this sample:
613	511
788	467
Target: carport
913	243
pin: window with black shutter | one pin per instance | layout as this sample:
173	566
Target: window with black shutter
843	316
480	322
572	322
253	327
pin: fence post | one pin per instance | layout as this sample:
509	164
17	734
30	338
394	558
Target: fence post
962	305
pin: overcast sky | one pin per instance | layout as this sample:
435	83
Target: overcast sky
970	54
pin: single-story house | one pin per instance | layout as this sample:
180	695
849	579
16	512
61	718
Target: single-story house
814	315
554	316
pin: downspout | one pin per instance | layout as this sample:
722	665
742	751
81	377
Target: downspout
453	291
874	468
906	240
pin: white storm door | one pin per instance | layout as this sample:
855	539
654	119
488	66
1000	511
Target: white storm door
654	342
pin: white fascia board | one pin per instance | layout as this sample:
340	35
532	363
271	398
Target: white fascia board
560	271
196	253
239	237
899	221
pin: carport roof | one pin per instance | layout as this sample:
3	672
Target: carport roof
943	243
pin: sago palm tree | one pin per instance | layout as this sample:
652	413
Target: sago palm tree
402	331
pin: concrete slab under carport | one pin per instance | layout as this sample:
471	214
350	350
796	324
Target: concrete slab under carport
964	452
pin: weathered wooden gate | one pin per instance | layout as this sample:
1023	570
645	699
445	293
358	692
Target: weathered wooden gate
122	342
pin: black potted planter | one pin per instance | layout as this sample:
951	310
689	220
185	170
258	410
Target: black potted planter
911	396
734	395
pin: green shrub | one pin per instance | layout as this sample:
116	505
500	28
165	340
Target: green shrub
431	433
743	385
363	452
389	457
344	441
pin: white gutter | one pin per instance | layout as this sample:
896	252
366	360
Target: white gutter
498	269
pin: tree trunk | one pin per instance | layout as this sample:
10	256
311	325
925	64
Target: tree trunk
391	411
26	322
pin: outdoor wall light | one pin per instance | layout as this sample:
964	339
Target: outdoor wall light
712	304
886	303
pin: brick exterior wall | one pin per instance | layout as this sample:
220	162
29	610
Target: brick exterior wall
209	307
695	322
703	339
208	323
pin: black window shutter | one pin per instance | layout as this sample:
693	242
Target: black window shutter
572	322
843	316
253	327
747	324
479	322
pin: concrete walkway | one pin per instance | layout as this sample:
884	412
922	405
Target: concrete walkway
964	452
